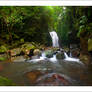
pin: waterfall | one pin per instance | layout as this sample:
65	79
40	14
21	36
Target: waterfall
54	37
53	59
67	58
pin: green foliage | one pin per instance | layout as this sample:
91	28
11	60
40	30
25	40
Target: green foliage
32	24
64	25
81	30
83	20
6	82
21	40
85	27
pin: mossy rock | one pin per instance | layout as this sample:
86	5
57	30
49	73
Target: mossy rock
60	56
37	52
85	59
66	49
28	46
55	49
15	51
3	49
3	58
6	82
25	48
49	53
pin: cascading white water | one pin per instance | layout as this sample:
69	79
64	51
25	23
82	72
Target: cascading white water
53	59
55	39
67	58
42	57
70	54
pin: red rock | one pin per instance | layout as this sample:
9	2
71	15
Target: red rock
33	76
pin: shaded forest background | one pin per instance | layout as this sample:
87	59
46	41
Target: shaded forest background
33	24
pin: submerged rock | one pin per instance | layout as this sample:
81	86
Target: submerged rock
39	78
33	75
52	79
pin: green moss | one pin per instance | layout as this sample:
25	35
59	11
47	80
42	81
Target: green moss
3	49
90	45
49	53
22	40
28	46
3	58
5	82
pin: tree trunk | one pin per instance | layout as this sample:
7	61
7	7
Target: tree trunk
84	54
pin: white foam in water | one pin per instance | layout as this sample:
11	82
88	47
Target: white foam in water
67	58
43	57
53	59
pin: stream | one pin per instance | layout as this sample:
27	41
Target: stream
48	71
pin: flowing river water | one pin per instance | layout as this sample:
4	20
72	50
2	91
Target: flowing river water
44	71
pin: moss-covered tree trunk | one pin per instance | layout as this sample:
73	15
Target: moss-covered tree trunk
84	45
84	54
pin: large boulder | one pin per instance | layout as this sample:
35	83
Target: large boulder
66	49
3	57
60	55
49	53
33	76
37	52
75	52
3	49
14	52
26	48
